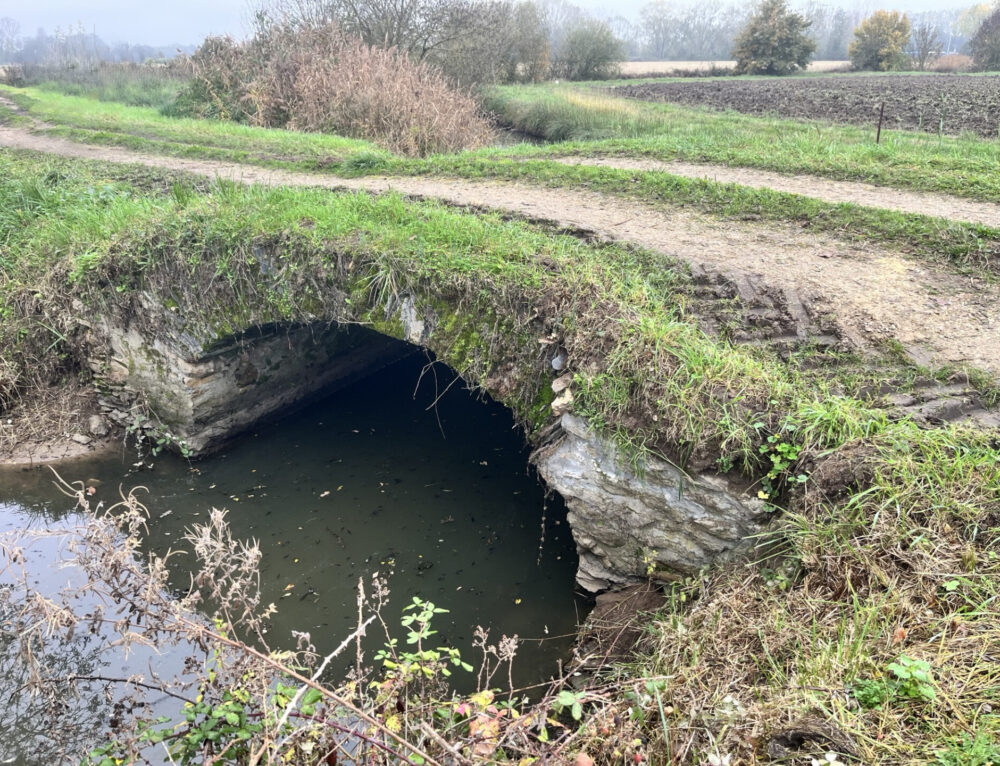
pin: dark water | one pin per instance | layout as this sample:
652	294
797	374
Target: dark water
375	478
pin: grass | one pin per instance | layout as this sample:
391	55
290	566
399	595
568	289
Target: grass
970	246
147	129
888	549
586	121
132	84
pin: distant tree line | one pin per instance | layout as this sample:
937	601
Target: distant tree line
74	46
503	41
471	41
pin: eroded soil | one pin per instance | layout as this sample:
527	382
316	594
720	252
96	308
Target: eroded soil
870	293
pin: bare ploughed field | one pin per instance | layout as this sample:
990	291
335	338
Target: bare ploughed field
660	68
946	103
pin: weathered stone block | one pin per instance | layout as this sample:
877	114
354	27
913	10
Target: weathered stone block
625	523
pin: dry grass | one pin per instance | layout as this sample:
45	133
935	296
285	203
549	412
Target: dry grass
344	86
47	416
953	62
659	68
319	79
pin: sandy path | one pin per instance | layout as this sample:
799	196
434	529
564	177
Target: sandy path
874	293
924	203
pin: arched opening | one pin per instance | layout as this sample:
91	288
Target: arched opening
365	455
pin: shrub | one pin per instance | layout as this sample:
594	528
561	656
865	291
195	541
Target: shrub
985	43
315	78
344	86
879	41
953	62
590	52
774	41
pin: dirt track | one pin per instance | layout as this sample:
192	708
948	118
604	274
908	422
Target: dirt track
923	203
874	293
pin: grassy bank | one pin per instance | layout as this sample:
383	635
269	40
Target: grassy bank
587	121
582	121
145	128
885	559
970	246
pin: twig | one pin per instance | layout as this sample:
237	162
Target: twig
195	627
294	702
108	679
444	744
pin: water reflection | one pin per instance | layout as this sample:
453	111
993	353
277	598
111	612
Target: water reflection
430	489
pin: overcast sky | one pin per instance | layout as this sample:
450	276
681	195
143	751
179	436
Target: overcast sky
159	22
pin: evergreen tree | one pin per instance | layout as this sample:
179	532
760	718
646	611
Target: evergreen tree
774	41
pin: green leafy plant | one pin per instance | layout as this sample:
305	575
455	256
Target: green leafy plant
571	701
424	661
914	677
872	693
782	454
909	679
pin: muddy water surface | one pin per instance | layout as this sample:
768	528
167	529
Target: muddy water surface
376	478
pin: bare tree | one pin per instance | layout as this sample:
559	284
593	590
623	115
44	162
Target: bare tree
417	27
925	45
471	41
560	17
630	34
9	38
658	28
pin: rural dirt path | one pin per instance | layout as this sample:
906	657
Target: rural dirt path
873	293
924	203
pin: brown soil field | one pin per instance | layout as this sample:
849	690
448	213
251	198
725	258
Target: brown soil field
948	103
661	68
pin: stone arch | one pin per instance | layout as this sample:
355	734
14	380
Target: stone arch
210	347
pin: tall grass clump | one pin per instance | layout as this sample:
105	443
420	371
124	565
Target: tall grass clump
154	84
566	114
317	78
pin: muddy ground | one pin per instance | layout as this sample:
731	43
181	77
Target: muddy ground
946	103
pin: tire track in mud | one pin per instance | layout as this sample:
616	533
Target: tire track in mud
866	293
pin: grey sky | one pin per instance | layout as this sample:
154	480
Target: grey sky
189	21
